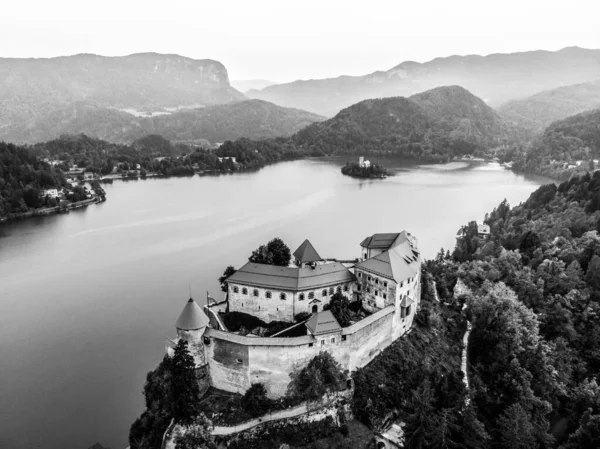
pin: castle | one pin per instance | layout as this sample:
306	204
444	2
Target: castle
385	278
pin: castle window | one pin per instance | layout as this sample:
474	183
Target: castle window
368	278
376	292
322	342
324	293
384	296
332	339
377	280
268	295
365	255
346	287
343	338
244	291
311	295
368	289
359	274
310	345
359	287
408	311
402	284
301	297
385	284
338	289
282	296
331	290
255	292
236	289
239	361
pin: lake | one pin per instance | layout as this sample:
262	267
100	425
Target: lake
87	298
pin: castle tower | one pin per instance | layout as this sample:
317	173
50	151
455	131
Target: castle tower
306	253
191	324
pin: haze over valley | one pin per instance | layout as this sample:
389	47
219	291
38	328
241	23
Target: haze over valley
257	225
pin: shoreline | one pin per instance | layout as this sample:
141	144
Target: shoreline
50	210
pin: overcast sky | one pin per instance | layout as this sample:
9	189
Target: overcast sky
283	41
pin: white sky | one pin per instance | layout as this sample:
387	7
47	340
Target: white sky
283	41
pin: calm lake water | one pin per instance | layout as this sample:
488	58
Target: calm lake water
87	298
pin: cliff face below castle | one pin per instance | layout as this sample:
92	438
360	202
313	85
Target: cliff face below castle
35	90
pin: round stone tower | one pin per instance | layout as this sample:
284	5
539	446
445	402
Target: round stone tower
191	324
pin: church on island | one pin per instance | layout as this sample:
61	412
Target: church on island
382	284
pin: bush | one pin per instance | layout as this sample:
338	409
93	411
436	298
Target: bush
321	374
255	400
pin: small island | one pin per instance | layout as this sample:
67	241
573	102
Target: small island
364	169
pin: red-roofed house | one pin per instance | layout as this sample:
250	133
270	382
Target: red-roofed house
391	273
274	293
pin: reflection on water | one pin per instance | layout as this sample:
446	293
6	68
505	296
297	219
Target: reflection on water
88	297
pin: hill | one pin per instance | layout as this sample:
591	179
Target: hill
496	78
34	89
254	119
538	111
245	85
563	145
433	125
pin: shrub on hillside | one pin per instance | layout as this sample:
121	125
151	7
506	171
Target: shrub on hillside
255	400
322	374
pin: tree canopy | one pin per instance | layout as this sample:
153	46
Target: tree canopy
273	253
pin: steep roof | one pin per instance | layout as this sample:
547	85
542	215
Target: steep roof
323	323
192	317
306	253
398	263
380	241
291	278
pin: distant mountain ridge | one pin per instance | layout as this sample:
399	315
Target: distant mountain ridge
255	119
540	110
496	78
246	85
434	125
33	89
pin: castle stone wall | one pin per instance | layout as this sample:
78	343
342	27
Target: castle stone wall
236	362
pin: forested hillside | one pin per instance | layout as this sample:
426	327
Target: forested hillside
533	296
563	145
253	119
538	111
23	176
434	125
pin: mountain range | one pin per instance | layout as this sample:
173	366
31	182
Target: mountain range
495	78
540	110
433	125
255	119
245	85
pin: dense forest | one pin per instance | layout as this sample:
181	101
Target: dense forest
532	293
23	176
557	151
435	125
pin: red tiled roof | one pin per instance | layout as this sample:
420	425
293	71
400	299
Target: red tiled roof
398	263
306	253
192	317
380	241
291	278
323	323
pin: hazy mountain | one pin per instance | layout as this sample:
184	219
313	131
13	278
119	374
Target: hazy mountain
34	88
539	110
255	119
496	78
245	85
433	125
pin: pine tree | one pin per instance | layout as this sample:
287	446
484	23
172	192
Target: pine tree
184	385
419	422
